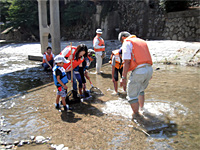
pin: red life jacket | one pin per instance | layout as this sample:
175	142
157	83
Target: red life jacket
66	52
48	57
140	51
101	43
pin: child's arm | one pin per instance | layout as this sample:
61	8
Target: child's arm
59	81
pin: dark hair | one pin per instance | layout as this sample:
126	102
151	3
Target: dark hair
49	47
80	48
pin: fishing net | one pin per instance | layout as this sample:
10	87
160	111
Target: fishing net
95	90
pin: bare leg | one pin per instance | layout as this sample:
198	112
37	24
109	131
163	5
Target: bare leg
141	101
116	86
63	101
84	87
57	99
80	91
135	107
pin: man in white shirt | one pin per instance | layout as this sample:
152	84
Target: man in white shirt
99	48
137	59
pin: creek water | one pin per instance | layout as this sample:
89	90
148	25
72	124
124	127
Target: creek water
171	112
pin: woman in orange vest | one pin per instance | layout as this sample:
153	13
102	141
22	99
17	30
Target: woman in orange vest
48	59
117	66
78	54
99	48
137	59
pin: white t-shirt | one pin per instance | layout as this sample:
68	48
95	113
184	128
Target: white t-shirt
127	50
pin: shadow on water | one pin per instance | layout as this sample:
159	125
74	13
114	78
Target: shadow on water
106	75
69	117
155	126
17	83
80	108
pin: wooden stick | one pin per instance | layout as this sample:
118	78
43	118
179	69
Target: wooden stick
71	65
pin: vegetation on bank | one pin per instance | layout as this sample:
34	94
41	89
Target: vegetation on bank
22	15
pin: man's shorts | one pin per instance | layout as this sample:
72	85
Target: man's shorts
138	82
62	91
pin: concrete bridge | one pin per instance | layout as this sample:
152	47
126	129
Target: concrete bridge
53	28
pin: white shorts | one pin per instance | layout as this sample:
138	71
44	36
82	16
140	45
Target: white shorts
62	92
138	82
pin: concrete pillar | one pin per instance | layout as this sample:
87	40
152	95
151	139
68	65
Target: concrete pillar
55	26
53	29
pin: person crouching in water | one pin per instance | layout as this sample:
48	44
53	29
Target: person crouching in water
117	66
60	80
48	59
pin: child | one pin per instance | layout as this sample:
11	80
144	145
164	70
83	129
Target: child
117	66
60	79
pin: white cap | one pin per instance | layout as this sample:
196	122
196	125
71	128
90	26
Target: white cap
91	51
99	31
60	58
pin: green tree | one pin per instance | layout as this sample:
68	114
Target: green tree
76	12
23	16
4	5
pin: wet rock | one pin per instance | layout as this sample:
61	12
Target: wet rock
39	139
45	141
7	131
48	138
53	146
157	68
175	141
16	143
26	142
9	146
21	143
32	138
60	147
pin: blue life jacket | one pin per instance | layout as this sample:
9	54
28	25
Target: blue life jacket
63	77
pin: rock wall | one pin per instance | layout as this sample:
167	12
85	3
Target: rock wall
142	18
183	25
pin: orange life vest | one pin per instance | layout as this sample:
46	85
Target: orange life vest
67	52
48	57
118	63
140	52
101	43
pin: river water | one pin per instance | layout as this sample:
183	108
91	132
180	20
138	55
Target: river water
171	109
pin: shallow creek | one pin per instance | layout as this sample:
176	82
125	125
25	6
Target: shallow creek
171	111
